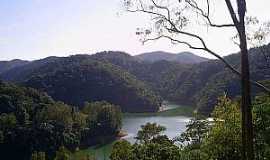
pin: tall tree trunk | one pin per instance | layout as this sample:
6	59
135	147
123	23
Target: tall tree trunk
247	125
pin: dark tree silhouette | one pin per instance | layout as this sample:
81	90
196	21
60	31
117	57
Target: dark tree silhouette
170	21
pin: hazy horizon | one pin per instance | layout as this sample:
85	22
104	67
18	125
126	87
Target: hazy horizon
35	29
99	52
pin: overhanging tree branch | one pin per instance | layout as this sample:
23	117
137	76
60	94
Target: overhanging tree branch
232	13
174	29
167	26
162	7
200	11
212	53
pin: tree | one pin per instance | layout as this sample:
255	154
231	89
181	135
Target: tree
149	131
261	111
7	121
196	131
223	141
152	146
122	150
62	154
35	125
170	21
22	115
103	120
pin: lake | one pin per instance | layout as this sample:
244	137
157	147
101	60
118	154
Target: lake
174	125
171	117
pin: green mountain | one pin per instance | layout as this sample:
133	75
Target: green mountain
183	57
78	79
133	83
161	76
7	65
31	121
22	72
198	84
226	81
12	96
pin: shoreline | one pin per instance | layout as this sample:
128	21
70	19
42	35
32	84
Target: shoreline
181	110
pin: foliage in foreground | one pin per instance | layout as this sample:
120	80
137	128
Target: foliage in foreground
204	139
33	125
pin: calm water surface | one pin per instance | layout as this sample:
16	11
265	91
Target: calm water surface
175	125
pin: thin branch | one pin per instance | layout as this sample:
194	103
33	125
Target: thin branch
205	48
206	15
198	48
150	12
189	34
175	40
232	12
208	8
162	7
260	86
173	26
214	54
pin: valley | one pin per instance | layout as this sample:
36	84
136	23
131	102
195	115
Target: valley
95	90
117	76
134	80
175	125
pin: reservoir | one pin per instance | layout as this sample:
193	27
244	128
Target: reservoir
170	117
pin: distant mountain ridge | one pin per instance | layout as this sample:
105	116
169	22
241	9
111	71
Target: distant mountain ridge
7	65
194	84
81	78
183	57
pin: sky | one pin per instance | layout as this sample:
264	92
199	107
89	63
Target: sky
35	29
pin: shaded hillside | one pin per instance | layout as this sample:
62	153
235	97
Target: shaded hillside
163	76
183	57
13	96
191	84
77	79
124	61
20	73
31	121
7	65
198	84
209	80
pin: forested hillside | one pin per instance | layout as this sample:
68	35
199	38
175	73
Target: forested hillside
33	124
127	80
7	65
203	139
20	73
161	76
214	80
78	79
183	57
197	85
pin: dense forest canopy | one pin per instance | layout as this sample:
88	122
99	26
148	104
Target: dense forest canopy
31	123
183	57
198	84
69	108
6	65
204	139
78	79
